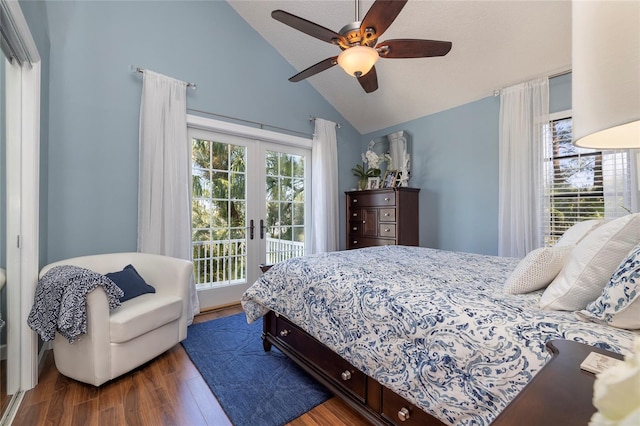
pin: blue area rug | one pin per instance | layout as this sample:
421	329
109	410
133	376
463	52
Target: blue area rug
254	387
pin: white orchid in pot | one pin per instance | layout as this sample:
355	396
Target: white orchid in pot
373	161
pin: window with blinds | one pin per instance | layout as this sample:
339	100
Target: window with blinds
581	183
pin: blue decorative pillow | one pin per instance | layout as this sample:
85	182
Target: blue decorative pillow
130	281
619	303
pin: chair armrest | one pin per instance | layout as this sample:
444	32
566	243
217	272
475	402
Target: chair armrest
168	275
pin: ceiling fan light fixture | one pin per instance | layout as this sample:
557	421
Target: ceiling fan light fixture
358	60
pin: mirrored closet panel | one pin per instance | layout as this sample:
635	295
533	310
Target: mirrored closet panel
4	398
19	176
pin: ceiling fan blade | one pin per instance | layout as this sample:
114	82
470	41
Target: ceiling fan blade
315	69
413	48
369	81
381	15
307	27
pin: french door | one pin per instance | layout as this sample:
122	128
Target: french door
249	206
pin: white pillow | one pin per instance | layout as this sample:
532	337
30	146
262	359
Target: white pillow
537	269
578	231
619	303
591	264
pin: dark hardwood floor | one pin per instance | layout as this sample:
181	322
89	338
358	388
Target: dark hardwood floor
4	398
166	391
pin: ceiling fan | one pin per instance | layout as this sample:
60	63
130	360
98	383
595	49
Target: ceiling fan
359	43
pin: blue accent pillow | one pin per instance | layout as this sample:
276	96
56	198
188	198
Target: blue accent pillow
130	281
619	303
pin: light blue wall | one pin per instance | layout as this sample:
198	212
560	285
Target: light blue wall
560	93
455	164
94	103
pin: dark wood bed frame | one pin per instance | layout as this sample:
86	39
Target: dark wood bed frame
373	401
559	394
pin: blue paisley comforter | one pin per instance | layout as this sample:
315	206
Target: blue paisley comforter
431	325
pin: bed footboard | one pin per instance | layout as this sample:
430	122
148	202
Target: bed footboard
373	401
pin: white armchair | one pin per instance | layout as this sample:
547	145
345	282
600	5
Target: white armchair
141	329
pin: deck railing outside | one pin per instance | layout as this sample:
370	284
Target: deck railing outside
279	250
224	262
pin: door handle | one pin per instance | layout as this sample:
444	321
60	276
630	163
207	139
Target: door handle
251	228
262	229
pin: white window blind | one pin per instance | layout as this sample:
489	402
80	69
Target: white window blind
581	183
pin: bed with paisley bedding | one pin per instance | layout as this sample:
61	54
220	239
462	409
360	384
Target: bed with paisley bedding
433	327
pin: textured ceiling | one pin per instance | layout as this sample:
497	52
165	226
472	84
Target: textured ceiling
495	44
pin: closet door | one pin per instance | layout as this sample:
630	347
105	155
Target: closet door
21	138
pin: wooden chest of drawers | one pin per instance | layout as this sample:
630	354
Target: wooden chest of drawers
380	217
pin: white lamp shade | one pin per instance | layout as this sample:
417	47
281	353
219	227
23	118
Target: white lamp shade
606	74
358	60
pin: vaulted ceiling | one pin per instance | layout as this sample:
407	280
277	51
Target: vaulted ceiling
495	44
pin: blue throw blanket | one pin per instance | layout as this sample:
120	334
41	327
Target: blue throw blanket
60	302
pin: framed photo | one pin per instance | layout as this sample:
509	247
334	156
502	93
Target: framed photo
373	183
384	179
398	181
389	179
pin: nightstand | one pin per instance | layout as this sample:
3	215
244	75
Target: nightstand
264	267
560	394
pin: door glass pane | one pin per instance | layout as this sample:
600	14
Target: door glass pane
219	213
285	206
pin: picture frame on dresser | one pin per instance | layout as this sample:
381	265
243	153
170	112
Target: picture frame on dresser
389	179
383	179
398	181
373	183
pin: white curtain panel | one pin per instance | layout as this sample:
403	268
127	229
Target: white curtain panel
618	183
324	188
524	117
164	187
634	166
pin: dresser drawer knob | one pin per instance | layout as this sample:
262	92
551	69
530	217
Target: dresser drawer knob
387	214
387	199
355	241
355	200
346	375
404	414
284	333
355	228
387	230
355	214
